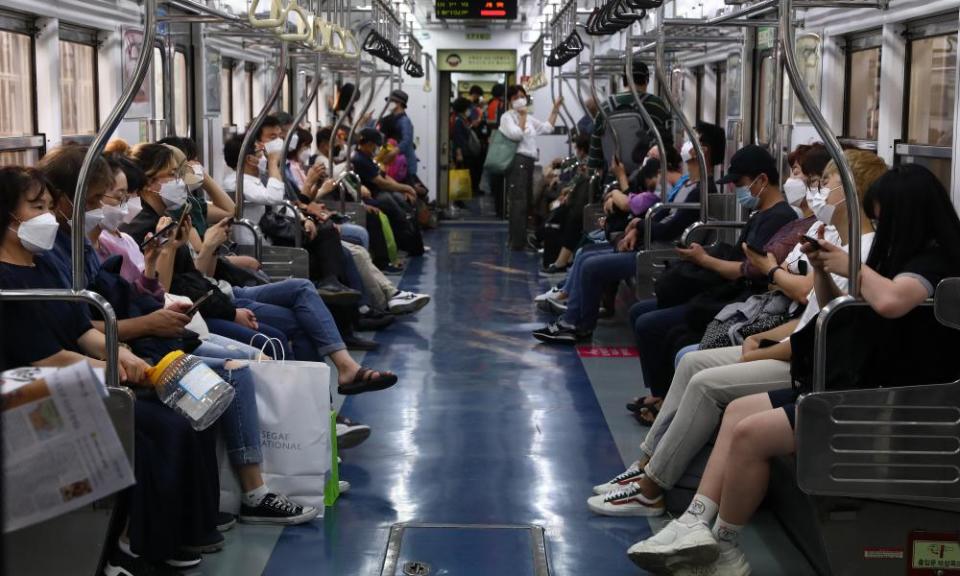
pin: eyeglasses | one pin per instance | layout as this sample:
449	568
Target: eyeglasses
120	201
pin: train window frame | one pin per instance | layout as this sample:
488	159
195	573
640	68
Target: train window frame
249	70
159	108
186	117
764	103
227	66
29	146
853	44
87	38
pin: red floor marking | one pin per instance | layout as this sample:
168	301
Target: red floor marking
607	352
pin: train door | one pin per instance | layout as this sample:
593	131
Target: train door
931	86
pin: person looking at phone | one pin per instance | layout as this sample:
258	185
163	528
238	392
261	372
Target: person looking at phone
707	380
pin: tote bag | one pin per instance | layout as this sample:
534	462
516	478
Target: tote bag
293	401
461	187
500	154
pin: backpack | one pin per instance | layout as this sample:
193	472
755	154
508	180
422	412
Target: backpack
626	135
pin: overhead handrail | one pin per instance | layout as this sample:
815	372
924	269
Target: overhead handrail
304	31
705	175
275	20
788	45
248	140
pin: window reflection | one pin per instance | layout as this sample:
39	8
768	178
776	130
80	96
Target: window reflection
863	103
226	96
765	118
16	85
181	94
78	95
933	65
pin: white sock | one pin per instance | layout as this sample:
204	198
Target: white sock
701	509
564	324
254	497
727	534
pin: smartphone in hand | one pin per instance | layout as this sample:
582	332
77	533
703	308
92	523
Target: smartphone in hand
161	237
810	241
196	305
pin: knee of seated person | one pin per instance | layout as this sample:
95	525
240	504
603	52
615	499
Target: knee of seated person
748	432
235	365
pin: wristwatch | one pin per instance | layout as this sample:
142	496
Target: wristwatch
771	275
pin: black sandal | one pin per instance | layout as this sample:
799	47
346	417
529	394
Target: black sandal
641	402
364	381
648	414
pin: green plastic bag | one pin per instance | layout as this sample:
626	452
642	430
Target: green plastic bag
500	154
388	237
332	489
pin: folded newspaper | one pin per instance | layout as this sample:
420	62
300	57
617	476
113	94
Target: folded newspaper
61	451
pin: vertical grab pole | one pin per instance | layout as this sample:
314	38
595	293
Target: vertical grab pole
80	195
339	123
705	174
248	141
302	113
778	106
664	185
595	182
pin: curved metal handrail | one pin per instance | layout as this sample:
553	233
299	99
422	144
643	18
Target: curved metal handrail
829	140
664	190
248	141
301	114
339	124
304	31
276	15
705	175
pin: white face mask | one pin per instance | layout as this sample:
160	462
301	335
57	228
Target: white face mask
815	198
92	219
174	194
686	153
39	233
304	158
114	216
134	207
262	164
198	172
795	191
825	212
519	104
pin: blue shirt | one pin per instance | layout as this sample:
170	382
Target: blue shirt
678	187
405	127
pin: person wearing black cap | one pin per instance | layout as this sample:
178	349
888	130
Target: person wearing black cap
395	199
710	278
397	125
624	101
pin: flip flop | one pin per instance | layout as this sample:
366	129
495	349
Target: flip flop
364	381
648	414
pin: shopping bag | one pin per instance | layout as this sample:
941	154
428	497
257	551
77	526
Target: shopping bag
461	187
388	237
500	154
293	401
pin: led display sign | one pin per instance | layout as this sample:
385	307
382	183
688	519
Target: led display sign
476	9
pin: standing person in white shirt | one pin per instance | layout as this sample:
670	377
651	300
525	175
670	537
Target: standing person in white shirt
518	125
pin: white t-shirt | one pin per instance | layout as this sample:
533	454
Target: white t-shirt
256	197
527	139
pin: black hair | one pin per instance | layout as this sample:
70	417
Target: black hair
476	90
61	170
913	214
270	121
231	150
185	145
641	74
582	142
16	182
284	118
514	90
497	90
461	105
136	179
324	134
304	138
715	138
649	170
814	160
674	160
346	92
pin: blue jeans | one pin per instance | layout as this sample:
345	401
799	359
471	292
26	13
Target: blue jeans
572	281
683	352
217	346
355	234
234	331
293	307
650	326
598	270
240	422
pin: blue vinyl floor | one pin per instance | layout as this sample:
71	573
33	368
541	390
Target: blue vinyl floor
486	426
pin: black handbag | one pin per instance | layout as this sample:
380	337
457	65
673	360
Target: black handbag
280	229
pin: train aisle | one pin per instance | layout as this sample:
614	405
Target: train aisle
485	427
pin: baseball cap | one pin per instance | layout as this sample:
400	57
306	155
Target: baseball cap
371	135
751	161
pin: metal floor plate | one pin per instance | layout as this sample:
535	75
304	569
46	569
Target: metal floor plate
418	549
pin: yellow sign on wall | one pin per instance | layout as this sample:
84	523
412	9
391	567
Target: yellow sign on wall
476	60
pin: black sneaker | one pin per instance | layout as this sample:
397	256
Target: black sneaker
276	509
554	269
181	559
212	542
333	292
350	433
557	334
121	564
225	521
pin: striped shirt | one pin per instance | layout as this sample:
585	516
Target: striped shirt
657	109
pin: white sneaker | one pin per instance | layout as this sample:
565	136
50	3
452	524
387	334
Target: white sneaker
676	545
551	292
556	305
626	501
407	302
631	475
730	562
344	486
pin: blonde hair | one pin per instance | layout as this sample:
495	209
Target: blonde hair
866	166
117	146
157	159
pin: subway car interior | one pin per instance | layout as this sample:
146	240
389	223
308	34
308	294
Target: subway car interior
432	287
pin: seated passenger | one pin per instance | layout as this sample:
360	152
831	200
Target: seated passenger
711	275
707	380
324	153
917	244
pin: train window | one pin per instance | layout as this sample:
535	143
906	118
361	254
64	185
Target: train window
181	93
862	115
933	68
16	104
721	93
226	93
159	106
287	91
765	97
249	85
78	89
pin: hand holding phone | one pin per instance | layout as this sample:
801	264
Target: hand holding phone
161	237
810	242
756	250
196	305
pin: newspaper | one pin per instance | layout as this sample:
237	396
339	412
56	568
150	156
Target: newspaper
61	451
